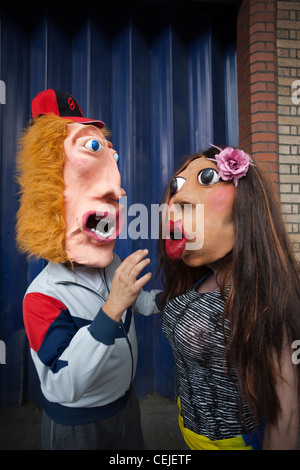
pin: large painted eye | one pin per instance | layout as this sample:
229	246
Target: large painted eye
93	145
208	176
176	184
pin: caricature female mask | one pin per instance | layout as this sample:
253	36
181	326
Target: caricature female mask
200	229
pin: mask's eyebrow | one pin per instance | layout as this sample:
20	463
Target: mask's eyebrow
88	131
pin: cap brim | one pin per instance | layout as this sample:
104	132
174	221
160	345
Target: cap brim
82	120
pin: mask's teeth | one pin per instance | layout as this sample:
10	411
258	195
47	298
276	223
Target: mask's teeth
104	229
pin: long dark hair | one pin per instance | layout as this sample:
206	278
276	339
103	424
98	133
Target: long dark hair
263	305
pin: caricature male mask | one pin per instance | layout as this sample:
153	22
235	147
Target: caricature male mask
198	186
69	185
92	186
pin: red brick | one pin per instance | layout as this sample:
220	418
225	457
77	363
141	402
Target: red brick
244	107
261	37
271	46
258	107
272	87
258	87
256	62
262	18
257	117
271	6
271	107
268	157
259	127
263	136
256	26
259	147
262	56
272	127
256	6
271	67
266	97
271	26
258	66
256	47
261	77
273	147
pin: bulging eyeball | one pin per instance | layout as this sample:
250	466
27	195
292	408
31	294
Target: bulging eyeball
208	176
176	184
93	145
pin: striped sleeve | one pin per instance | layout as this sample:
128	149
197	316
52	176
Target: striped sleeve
68	356
39	312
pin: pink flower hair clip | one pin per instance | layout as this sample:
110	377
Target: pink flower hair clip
232	163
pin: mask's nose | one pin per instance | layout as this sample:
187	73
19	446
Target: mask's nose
109	185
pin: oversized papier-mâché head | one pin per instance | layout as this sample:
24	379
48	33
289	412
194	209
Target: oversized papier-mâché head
199	227
69	185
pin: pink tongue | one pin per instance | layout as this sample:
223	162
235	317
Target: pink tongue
175	248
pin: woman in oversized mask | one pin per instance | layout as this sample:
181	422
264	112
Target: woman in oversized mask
231	305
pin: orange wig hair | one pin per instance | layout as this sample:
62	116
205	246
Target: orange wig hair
40	161
40	218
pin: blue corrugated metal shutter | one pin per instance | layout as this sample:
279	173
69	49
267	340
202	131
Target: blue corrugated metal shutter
163	80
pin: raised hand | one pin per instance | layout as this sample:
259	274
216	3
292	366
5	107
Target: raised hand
125	285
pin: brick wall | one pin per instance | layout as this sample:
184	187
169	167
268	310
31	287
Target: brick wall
268	59
256	60
288	63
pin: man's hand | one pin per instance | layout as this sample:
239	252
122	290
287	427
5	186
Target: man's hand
125	285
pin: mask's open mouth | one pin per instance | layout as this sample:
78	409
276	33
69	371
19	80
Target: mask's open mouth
176	239
102	226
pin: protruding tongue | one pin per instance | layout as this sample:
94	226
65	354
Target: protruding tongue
176	241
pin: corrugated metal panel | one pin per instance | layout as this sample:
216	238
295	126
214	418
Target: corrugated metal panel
13	269
164	81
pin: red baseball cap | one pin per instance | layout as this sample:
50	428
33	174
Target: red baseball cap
62	104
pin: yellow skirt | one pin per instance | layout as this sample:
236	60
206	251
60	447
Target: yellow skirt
198	442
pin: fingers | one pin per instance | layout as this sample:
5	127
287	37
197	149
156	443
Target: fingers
134	258
125	285
131	268
138	268
134	263
142	281
137	264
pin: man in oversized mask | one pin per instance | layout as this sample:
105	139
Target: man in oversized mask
78	310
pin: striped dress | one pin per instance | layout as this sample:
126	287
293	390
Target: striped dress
209	398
